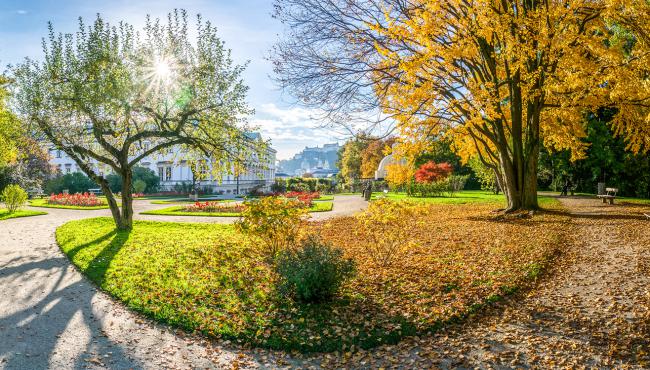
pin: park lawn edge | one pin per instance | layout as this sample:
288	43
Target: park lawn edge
40	203
324	206
5	215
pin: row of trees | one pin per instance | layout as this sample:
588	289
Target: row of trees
360	156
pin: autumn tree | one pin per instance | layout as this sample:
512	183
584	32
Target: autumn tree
431	172
109	96
496	77
349	163
372	154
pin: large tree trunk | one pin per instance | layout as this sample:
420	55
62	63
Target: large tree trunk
125	221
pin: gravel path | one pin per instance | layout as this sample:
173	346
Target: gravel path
52	317
592	311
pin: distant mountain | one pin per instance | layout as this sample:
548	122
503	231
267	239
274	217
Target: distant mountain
311	159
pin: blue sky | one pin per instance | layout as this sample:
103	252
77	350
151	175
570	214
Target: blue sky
246	26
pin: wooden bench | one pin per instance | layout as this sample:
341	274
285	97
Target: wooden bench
96	191
610	194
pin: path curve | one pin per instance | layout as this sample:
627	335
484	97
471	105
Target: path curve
52	317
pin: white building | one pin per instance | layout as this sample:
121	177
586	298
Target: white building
175	172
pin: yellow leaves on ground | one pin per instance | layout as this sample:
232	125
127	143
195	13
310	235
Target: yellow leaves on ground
457	257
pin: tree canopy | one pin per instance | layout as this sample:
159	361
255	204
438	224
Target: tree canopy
499	78
10	128
109	96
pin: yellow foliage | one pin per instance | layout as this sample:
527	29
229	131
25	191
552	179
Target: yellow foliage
497	76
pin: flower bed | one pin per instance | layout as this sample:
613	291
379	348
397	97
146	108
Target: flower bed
77	200
215	207
305	197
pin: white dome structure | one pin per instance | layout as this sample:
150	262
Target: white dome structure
382	171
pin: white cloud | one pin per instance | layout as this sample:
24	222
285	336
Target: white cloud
21	12
291	129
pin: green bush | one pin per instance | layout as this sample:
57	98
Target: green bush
276	221
139	186
14	197
314	272
75	182
456	183
302	187
149	177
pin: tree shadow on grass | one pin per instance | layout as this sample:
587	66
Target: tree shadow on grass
58	328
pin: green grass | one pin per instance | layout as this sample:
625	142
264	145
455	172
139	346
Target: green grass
201	277
187	200
43	204
462	197
324	198
4	213
178	211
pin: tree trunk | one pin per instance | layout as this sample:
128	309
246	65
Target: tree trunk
125	221
519	183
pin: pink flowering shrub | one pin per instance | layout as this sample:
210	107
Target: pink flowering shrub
215	207
137	195
78	200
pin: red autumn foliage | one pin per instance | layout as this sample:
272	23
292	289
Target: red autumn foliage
432	172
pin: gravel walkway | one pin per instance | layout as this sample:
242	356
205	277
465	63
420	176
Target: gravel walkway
592	311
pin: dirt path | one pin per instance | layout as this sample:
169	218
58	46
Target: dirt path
592	312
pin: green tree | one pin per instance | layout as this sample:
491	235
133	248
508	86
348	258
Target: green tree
10	128
151	180
349	163
75	182
109	96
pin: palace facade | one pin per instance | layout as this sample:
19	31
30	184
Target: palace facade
175	173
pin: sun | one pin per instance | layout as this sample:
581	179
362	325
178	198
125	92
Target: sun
162	69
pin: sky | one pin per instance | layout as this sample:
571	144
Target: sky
247	27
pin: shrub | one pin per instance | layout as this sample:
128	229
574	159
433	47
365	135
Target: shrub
139	186
277	221
300	187
456	183
75	182
322	188
279	186
432	172
314	272
385	228
14	197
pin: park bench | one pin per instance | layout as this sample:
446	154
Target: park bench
96	191
610	194
35	193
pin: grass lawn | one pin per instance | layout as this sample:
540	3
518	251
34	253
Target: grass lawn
43	203
4	213
210	279
187	200
462	197
179	211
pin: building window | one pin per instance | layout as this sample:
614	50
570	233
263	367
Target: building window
168	173
68	168
161	173
58	153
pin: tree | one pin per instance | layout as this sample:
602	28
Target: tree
109	96
349	163
373	154
10	128
432	172
151	180
399	175
497	77
75	182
